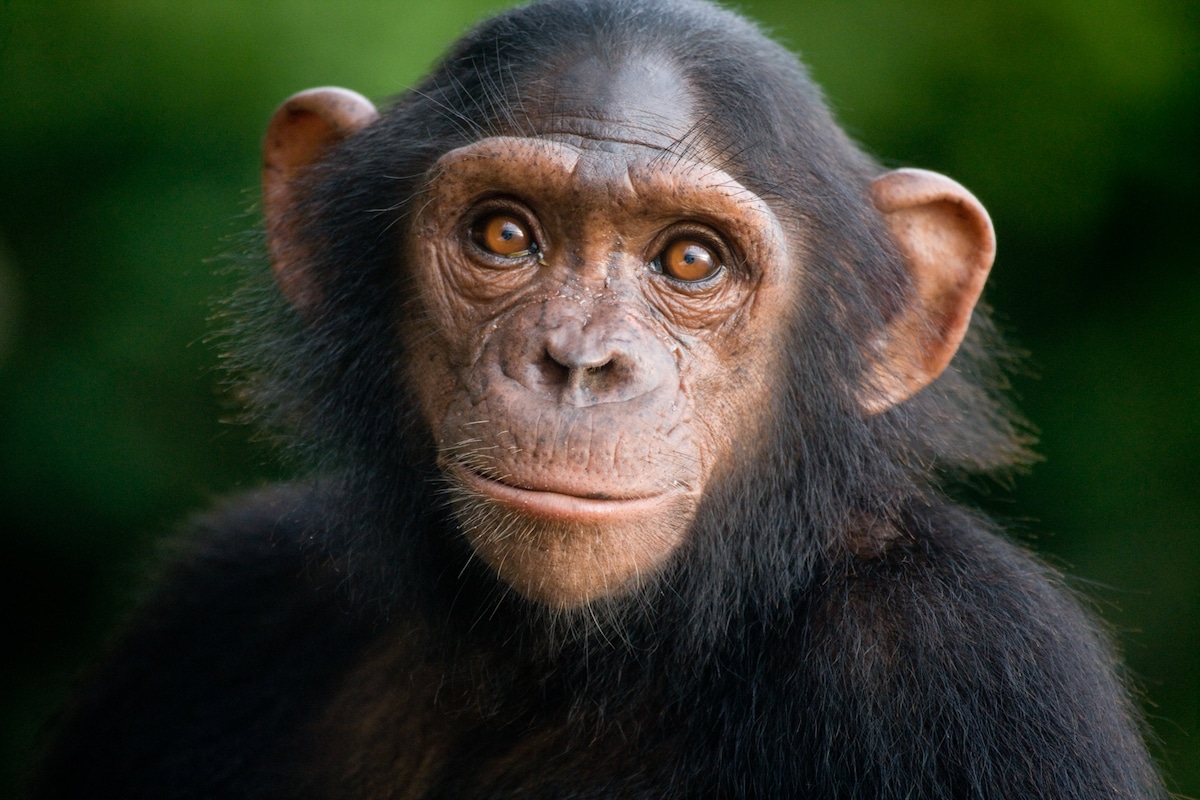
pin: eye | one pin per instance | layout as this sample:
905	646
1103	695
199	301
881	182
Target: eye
503	235
688	260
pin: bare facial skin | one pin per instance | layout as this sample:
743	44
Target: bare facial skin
592	300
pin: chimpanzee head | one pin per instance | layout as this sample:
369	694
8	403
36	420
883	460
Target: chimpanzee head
615	274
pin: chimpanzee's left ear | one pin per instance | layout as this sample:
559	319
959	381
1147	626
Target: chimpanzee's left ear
299	133
947	240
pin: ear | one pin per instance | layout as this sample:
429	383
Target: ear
300	132
947	241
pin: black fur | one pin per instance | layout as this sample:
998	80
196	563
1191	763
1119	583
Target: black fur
834	627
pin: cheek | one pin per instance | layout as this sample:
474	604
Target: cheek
734	392
438	300
440	329
428	377
432	362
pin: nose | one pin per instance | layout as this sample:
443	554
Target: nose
587	364
584	360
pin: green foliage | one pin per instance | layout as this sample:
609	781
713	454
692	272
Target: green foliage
129	152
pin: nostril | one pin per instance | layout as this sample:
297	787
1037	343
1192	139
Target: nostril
562	371
579	353
554	371
591	367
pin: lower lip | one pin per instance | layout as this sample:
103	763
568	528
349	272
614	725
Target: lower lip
559	507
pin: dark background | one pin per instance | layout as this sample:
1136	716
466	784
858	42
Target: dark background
129	141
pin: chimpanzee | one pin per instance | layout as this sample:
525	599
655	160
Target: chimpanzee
629	397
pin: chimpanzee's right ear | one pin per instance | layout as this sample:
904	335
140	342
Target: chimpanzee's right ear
300	131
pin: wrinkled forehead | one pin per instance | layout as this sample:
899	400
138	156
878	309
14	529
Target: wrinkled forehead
618	134
639	99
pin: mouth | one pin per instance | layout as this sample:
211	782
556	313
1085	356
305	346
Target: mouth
557	506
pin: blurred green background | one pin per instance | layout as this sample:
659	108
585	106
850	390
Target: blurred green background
129	138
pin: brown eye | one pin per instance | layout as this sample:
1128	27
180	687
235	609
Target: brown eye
689	260
504	235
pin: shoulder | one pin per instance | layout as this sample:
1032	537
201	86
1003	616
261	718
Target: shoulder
237	554
963	557
239	573
949	587
236	643
956	648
